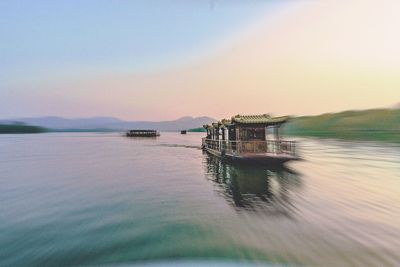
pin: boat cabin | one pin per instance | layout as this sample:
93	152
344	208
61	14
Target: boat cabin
246	128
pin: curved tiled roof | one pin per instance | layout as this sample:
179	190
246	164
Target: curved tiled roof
224	122
248	119
258	119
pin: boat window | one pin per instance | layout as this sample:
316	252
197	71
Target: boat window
253	134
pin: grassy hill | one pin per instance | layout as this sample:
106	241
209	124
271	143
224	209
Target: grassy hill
20	129
374	124
197	130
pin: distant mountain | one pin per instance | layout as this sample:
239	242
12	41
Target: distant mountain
109	123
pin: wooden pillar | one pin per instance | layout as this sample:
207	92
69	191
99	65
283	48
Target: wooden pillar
276	133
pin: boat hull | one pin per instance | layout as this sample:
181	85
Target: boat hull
266	158
142	133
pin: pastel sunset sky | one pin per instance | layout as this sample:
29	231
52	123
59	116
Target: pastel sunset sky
160	60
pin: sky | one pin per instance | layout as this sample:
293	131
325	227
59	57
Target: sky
161	60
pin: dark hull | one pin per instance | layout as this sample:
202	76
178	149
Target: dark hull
263	158
142	135
150	134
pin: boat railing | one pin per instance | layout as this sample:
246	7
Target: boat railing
253	146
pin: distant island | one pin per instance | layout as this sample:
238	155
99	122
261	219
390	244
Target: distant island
20	129
197	130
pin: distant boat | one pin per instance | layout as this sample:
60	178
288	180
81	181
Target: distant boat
142	133
252	137
183	132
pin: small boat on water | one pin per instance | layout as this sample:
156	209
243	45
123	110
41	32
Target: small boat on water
142	133
183	132
255	138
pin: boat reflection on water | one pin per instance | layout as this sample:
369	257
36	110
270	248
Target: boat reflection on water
254	187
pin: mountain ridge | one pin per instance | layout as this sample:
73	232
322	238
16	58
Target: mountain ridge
110	123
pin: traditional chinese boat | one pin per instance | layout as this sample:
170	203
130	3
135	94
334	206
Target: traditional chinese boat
142	133
250	137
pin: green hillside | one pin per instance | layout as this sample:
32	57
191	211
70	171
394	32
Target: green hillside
20	129
374	124
197	130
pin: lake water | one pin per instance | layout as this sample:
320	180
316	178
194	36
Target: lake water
84	199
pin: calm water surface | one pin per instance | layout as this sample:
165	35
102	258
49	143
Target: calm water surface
80	199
